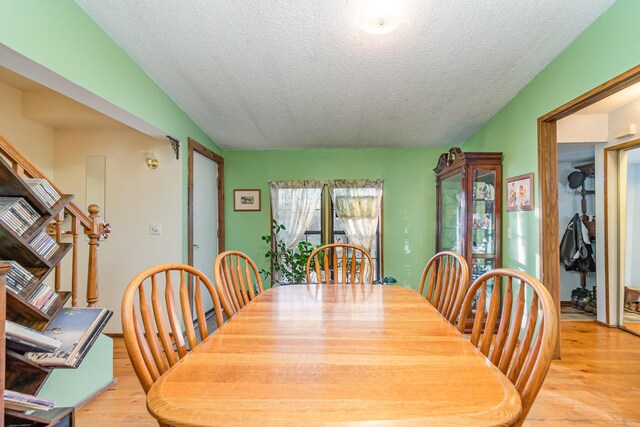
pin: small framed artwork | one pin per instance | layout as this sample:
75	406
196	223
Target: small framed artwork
246	200
520	193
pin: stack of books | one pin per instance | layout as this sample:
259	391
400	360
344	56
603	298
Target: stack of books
26	402
43	190
17	214
77	328
43	298
18	277
44	245
23	339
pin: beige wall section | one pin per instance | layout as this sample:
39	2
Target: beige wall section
34	139
135	196
583	128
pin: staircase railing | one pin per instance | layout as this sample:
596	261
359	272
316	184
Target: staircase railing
91	225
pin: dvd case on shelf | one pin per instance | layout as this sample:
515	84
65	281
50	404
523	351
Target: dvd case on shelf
17	214
44	245
18	277
43	191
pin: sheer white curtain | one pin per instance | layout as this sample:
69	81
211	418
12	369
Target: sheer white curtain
357	204
293	204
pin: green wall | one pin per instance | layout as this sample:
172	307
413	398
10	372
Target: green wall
606	49
408	205
60	36
70	387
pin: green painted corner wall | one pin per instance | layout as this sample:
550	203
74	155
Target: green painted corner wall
62	37
408	200
606	49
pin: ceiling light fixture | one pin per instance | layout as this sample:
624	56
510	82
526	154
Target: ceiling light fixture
380	16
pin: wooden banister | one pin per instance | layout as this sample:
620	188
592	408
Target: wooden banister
92	225
92	272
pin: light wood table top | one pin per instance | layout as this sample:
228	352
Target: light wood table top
312	355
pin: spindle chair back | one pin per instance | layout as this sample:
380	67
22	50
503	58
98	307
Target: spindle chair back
446	277
526	320
158	330
342	263
237	276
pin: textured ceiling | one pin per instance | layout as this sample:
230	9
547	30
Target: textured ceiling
258	74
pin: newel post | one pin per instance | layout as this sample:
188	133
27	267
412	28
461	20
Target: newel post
92	272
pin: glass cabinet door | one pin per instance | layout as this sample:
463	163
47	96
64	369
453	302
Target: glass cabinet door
483	222
451	214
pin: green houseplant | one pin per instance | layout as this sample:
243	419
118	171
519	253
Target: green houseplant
288	265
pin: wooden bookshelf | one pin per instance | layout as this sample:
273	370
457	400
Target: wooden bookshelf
17	372
3	271
20	311
17	247
56	417
24	375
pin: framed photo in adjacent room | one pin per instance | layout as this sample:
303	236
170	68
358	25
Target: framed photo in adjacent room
246	200
520	193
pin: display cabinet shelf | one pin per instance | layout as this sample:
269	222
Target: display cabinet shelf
473	181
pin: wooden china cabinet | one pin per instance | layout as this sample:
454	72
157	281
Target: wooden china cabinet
468	188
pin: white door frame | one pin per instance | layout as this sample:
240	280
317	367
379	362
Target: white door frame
614	228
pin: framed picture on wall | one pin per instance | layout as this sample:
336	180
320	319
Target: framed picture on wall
246	200
520	193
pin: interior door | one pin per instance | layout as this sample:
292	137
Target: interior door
205	217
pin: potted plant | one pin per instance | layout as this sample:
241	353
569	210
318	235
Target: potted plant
288	265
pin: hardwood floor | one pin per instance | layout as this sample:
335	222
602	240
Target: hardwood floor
597	383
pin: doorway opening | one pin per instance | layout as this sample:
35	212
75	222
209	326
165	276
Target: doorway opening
548	173
576	218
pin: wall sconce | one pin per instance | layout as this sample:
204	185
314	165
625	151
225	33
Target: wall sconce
152	161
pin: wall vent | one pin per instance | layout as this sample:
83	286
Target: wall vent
627	130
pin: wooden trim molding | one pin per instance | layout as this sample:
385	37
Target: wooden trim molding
195	146
548	180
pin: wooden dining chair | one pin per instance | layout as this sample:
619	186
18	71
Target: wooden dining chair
353	266
158	332
237	276
526	322
446	277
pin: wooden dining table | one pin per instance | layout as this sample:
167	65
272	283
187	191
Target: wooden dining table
317	355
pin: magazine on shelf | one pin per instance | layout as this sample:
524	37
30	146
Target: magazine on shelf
92	339
26	402
77	328
23	339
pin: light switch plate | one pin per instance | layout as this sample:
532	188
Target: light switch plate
155	229
509	233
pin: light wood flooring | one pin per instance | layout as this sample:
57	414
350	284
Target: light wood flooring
597	383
